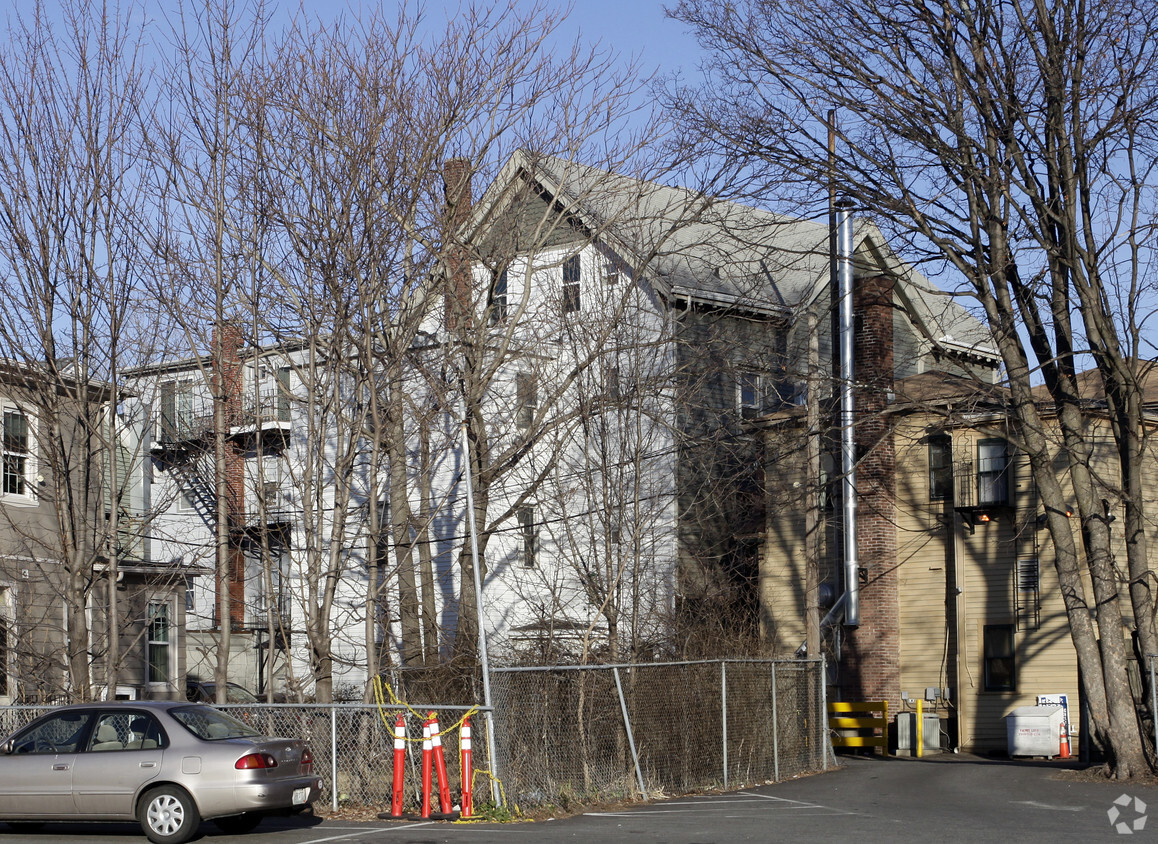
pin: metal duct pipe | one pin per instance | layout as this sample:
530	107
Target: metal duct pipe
844	249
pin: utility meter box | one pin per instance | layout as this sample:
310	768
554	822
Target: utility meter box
1034	730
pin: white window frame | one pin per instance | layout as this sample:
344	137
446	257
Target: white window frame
749	408
8	599
170	644
29	474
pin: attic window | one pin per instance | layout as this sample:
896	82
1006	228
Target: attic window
571	285
611	272
497	308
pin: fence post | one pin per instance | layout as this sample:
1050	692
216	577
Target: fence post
724	714
822	715
775	731
630	737
334	756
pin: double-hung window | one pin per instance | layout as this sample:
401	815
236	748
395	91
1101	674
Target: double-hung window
992	472
158	643
17	453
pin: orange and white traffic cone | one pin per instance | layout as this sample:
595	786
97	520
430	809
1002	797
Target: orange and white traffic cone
426	762
1063	742
399	765
465	768
444	803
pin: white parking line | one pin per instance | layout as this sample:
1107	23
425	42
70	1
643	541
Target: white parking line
364	831
1033	804
748	799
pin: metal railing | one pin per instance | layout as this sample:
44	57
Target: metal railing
567	735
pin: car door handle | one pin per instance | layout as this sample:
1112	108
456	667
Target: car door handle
61	767
148	764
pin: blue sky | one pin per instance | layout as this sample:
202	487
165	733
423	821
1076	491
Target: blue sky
631	27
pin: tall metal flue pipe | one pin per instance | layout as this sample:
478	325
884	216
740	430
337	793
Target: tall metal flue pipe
844	249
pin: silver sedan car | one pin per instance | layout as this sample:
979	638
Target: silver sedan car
167	764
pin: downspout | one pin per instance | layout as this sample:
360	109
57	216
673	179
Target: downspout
844	238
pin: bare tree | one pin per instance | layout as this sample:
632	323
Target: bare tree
1010	144
360	122
73	211
199	150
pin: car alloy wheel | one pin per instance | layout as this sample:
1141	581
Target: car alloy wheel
168	816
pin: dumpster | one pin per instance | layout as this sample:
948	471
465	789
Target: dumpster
1034	730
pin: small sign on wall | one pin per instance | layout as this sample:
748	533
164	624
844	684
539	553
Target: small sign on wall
1058	700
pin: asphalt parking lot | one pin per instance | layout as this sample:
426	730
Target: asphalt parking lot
865	801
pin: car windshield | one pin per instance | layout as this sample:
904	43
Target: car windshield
211	724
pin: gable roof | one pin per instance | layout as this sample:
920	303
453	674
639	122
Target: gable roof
700	248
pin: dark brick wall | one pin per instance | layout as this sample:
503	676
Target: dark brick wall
230	371
871	654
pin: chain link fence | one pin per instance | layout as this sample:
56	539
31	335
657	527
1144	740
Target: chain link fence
581	734
570	735
352	744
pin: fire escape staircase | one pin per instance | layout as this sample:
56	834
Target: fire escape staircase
196	487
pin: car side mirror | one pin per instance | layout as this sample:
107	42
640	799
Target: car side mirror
9	747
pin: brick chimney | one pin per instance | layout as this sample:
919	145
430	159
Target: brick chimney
456	176
871	661
228	373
